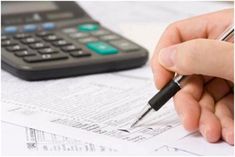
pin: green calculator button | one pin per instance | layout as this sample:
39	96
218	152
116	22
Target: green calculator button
88	27
102	48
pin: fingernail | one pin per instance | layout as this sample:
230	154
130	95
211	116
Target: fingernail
229	138
203	130
167	56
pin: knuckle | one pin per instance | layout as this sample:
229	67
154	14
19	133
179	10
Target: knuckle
171	26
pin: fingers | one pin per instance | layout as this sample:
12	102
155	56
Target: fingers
209	124
225	114
186	103
200	56
204	26
218	88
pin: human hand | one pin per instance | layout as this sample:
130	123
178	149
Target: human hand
206	101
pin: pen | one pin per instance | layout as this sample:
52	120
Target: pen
171	88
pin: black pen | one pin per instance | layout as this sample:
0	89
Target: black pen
171	88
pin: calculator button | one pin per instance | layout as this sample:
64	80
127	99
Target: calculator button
10	29
48	26
30	28
8	43
51	38
43	34
100	32
47	50
38	45
79	35
21	36
69	30
3	37
80	53
24	53
124	45
88	27
70	48
29	40
102	48
45	57
88	39
15	48
61	43
109	37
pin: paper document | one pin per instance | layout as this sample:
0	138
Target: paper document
96	108
29	141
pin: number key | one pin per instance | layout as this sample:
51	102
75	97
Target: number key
70	48
38	45
8	43
15	48
47	51
61	43
52	38
45	57
80	53
24	53
29	40
21	36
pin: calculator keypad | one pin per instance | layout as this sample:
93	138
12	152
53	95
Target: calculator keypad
33	46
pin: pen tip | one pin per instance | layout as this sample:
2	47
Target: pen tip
134	124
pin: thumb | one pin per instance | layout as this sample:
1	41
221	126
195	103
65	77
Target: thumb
200	56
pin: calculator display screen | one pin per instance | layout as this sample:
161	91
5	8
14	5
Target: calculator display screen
27	7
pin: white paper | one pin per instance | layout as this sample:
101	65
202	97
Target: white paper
18	140
96	108
195	144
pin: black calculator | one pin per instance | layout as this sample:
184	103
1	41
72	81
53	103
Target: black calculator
54	39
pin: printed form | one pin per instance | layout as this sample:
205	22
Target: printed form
96	108
18	140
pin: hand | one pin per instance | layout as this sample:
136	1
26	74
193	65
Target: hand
206	101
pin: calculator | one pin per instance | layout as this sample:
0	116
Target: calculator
55	39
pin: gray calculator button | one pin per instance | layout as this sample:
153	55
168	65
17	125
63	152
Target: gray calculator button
38	45
52	38
8	43
80	53
43	34
15	48
70	48
21	36
79	35
109	37
88	39
124	45
24	53
45	57
47	51
3	37
29	40
69	30
61	43
100	32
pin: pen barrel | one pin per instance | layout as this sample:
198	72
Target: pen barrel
164	95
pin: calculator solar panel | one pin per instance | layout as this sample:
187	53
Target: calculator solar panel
61	42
